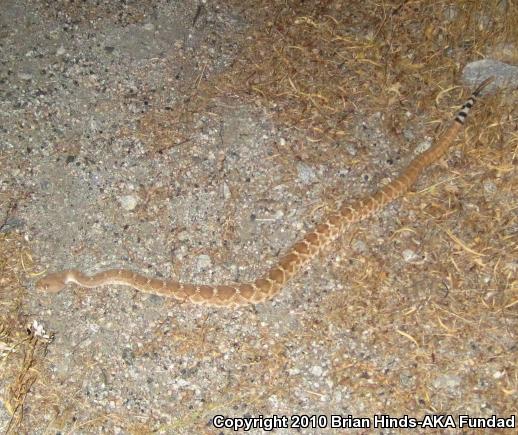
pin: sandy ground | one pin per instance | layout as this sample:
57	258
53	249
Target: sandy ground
218	204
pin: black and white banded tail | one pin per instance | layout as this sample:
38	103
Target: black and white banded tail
464	111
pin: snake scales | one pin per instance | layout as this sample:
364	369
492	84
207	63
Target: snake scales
297	256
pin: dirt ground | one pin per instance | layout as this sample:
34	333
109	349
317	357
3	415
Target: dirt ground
197	141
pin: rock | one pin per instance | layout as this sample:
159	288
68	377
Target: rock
128	202
505	75
203	262
489	187
409	255
226	191
447	382
317	371
305	173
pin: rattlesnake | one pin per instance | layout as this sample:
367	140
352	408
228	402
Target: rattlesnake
297	256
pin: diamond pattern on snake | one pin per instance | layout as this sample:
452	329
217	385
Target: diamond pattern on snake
295	258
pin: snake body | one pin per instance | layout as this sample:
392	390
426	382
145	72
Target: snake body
296	257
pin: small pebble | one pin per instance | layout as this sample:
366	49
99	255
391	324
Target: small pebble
489	187
423	146
25	76
183	236
203	262
317	371
129	202
359	246
409	255
226	191
305	173
447	381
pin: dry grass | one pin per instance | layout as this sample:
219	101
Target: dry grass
21	352
315	65
318	66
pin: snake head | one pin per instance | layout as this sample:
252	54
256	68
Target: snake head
52	283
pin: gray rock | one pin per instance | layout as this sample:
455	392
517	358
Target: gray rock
203	262
506	76
305	173
128	202
447	381
317	371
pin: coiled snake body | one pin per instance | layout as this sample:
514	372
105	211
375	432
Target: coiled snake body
297	256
